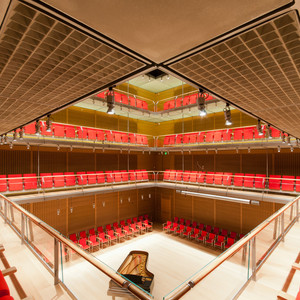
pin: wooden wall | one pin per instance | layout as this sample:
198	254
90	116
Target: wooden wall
228	215
82	213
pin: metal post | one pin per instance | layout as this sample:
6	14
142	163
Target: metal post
56	261
22	228
282	227
253	249
275	229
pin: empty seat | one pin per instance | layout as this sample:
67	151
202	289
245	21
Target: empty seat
226	134
230	242
172	139
178	102
84	244
132	101
139	139
124	175
186	176
82	132
193	138
193	176
100	177
127	231
30	181
118	137
100	135
58	179
70	131
186	138
109	136
139	175
148	225
139	103
3	183
167	225
120	234
145	174
92	134
91	176
94	242
249	133
195	233
224	232
210	177
238	179
179	230
275	132
201	137
58	130
166	140
288	183
118	176
297	183
186	100
81	178
210	239
260	181
179	175
202	237
166	105
70	178
132	138
102	239
109	176
216	230
238	134
208	228
227	179
132	175
82	234
218	135
249	180
172	175
274	182
73	237
92	231
201	177
145	105
219	178
15	182
124	137
209	136
193	99
194	224
172	104
30	128
178	139
167	175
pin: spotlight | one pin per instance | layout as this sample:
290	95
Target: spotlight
5	139
110	99
259	128
201	103
15	136
48	123
282	137
168	77
278	148
227	114
28	147
37	127
21	133
289	140
11	145
269	132
292	148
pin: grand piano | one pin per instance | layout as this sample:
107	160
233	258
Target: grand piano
134	268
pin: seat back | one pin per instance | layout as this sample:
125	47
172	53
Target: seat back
196	231
238	179
132	175
167	175
81	178
92	231
249	180
124	175
194	224
73	237
100	177
100	229
208	228
115	225
46	180
139	175
82	234
92	238
210	177
30	181
108	227
3	183
111	233
15	182
91	177
186	176
260	181
221	238
274	182
70	178
109	176
203	233
227	179
219	178
181	221
288	183
58	179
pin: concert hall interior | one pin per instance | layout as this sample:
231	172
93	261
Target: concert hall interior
149	149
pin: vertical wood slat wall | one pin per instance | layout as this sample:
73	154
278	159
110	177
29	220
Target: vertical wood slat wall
82	213
228	215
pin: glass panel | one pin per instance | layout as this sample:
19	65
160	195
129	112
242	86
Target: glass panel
288	216
229	277
85	280
40	241
16	218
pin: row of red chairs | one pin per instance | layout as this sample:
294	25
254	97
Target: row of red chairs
206	234
127	100
19	182
259	181
223	135
183	101
87	133
111	233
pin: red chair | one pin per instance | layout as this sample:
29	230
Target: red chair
210	177
209	137
201	177
129	221
108	227
91	177
166	105
194	224
166	140
132	175
288	183
179	230
134	229
92	134
227	134
93	242
249	180
260	181
100	135
148	225
188	222
92	231
3	183
4	289
81	178
238	179
30	181
193	176
224	232
172	139
202	237
118	137
257	135
100	229
176	219
172	175
181	221
109	136
193	138
58	130
193	99
124	175
227	179
124	138
219	178
139	139
173	227
141	227
167	175
110	235
178	139
82	234
179	175
116	225
186	138
145	105
178	102
187	232
46	180
15	182
122	223
82	132
58	179
186	176
100	177
274	182
172	104
102	239
132	138
109	176
220	242
249	133
208	228
145	174
201	137
118	176
84	244
218	136
70	131
275	132
134	220
73	237
70	178
195	234
139	175
167	225
201	226
216	230
127	231
44	129
120	234
211	239
233	235
30	128
238	134
230	242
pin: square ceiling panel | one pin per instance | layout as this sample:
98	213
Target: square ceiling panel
258	70
46	64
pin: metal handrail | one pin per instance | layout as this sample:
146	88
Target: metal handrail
98	264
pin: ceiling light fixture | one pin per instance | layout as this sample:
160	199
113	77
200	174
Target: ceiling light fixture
110	100
37	127
289	140
21	133
48	123
11	145
278	148
28	146
282	137
5	139
259	128
168	77
15	136
227	115
201	103
292	148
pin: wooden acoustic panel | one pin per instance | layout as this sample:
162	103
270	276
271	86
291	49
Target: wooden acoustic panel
183	206
228	215
128	204
146	202
107	208
203	210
